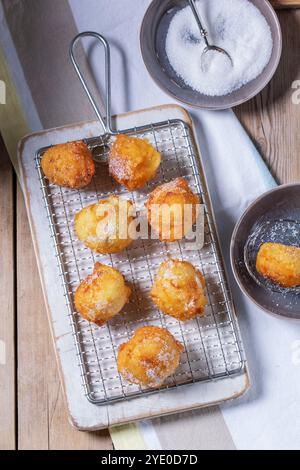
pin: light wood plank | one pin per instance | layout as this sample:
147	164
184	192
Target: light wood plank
271	118
285	3
7	314
43	419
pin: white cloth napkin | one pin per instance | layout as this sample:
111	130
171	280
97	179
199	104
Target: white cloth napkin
265	418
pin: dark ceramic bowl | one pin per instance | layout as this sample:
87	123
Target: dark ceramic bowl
275	217
153	34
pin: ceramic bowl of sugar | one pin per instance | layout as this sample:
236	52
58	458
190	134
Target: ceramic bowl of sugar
172	46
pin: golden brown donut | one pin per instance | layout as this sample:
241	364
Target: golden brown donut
100	228
70	165
133	162
101	295
178	290
149	357
167	206
280	263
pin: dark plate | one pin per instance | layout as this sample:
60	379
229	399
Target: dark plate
153	38
275	217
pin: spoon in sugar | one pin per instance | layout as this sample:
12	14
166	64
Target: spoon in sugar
204	34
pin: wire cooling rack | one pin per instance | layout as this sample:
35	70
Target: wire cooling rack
212	345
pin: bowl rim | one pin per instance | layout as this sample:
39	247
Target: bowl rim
232	246
234	103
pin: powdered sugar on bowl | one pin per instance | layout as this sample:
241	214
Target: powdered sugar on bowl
234	25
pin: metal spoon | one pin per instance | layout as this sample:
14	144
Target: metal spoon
204	34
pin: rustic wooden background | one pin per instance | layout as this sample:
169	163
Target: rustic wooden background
285	3
33	414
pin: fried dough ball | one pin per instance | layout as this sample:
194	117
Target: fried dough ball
178	290
101	295
280	263
172	209
70	165
149	357
133	162
104	226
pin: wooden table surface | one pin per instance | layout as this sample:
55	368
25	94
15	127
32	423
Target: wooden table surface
33	414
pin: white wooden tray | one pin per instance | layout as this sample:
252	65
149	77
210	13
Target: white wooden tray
83	414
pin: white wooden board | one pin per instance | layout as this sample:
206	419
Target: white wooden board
83	414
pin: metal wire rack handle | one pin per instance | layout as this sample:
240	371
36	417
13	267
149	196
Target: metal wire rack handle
105	121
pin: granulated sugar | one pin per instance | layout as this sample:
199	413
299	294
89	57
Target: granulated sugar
235	25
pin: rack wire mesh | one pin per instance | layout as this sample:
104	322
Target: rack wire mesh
212	345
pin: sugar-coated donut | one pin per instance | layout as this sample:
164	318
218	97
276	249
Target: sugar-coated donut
172	209
280	263
179	290
133	162
101	295
104	227
70	165
149	357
